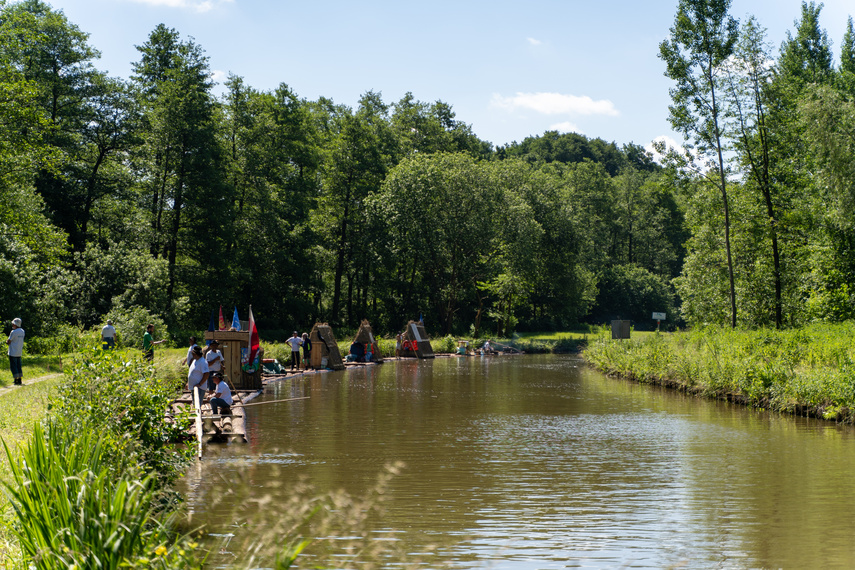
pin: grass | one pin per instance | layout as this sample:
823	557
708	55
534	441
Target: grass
807	371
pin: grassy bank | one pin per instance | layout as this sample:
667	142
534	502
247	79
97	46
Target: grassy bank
806	371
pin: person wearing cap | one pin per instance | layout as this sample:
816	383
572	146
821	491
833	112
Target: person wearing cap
108	336
307	351
295	341
197	374
222	399
148	343
16	351
214	358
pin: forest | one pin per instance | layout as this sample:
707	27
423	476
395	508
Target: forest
150	199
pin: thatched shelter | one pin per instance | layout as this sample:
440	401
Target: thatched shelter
366	337
325	352
416	341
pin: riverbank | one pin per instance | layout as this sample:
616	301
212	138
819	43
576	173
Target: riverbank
808	371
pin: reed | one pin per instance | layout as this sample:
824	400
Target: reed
808	370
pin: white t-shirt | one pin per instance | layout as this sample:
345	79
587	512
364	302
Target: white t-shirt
197	370
189	359
109	331
224	392
295	343
214	364
16	347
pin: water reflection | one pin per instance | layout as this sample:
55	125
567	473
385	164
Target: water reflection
538	462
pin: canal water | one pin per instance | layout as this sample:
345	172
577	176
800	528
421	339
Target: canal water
523	462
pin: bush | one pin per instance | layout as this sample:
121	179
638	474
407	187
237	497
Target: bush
130	325
122	400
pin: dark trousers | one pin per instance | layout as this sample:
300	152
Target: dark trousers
295	359
15	366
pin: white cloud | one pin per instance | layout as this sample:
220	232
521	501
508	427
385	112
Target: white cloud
218	76
196	5
566	127
533	41
555	104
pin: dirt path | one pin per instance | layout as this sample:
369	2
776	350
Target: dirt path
27	382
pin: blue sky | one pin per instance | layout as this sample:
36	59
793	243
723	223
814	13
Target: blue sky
509	69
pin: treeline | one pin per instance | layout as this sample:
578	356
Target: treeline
154	194
153	198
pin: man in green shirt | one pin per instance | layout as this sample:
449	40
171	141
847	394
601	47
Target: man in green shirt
148	343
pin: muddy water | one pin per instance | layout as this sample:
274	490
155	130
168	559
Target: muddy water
530	462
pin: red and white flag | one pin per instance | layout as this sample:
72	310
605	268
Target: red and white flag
222	323
254	343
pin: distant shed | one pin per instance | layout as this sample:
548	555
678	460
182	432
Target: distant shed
366	336
325	352
416	341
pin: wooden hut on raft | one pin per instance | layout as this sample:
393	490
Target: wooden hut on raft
324	352
365	337
416	342
235	348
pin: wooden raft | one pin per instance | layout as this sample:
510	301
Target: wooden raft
216	428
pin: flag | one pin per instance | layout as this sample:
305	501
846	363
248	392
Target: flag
222	320
253	338
236	321
211	325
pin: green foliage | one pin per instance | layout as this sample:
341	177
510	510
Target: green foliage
73	509
118	397
810	368
631	292
131	324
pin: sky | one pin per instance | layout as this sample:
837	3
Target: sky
508	69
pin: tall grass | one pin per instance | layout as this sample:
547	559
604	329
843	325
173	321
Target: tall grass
809	370
74	510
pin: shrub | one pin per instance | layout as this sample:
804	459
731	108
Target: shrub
130	325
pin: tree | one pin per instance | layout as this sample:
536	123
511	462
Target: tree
702	39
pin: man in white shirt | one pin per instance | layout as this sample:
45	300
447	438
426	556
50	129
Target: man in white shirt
188	360
197	375
16	351
214	358
108	336
296	342
222	397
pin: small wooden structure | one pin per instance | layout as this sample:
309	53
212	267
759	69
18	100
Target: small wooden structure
416	341
231	343
620	329
325	352
366	337
209	428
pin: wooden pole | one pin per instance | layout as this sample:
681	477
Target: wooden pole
274	401
198	406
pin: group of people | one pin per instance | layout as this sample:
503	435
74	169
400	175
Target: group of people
205	376
296	341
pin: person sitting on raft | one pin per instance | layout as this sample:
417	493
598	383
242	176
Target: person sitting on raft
357	352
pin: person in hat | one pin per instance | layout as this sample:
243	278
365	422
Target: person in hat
16	351
296	342
307	351
214	358
197	375
222	399
108	336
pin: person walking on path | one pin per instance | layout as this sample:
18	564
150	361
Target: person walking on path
108	336
16	351
188	360
295	341
307	351
148	343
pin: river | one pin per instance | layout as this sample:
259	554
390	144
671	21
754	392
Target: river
524	462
